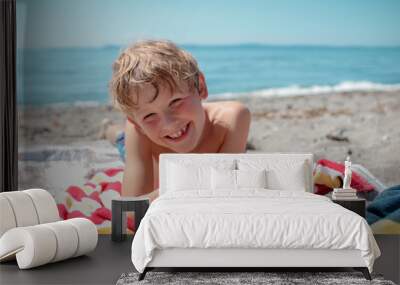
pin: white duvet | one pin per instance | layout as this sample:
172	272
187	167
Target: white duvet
251	218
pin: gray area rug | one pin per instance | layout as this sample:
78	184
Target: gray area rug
225	278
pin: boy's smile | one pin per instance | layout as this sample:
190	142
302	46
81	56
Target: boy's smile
174	120
179	135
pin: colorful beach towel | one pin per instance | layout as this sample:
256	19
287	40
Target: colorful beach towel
383	214
329	174
93	199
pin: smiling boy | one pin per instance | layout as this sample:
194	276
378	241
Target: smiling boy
160	89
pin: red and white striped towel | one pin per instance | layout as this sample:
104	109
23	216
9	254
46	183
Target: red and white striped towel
93	199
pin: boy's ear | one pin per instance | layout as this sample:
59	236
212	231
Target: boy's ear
203	91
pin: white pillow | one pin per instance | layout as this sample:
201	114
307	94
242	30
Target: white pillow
283	174
251	178
223	179
227	179
181	177
190	176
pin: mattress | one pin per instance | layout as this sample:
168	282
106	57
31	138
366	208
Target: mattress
250	219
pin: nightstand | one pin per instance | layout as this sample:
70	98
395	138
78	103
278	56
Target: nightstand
119	207
356	205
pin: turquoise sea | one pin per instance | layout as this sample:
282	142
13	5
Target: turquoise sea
80	75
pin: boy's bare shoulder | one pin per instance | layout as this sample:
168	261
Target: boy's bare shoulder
232	120
227	113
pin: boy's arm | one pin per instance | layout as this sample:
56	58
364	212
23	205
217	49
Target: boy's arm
237	120
138	173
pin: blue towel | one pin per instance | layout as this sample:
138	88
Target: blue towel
385	206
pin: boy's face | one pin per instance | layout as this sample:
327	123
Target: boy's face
175	119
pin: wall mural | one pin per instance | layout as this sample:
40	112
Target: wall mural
335	100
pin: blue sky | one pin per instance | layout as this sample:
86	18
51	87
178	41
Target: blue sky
55	23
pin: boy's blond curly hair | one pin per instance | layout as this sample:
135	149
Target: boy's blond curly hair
150	62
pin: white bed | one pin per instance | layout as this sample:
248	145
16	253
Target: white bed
215	211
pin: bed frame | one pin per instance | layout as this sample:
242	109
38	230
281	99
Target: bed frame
249	258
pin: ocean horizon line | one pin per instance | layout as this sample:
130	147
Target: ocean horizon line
224	45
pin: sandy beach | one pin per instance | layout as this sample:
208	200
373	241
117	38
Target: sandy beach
363	124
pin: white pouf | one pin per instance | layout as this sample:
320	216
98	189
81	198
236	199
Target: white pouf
31	231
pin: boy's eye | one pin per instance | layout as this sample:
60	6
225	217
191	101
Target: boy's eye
148	116
175	101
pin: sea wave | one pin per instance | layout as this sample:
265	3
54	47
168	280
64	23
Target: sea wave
297	90
292	90
88	103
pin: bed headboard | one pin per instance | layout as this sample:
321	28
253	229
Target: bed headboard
298	166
